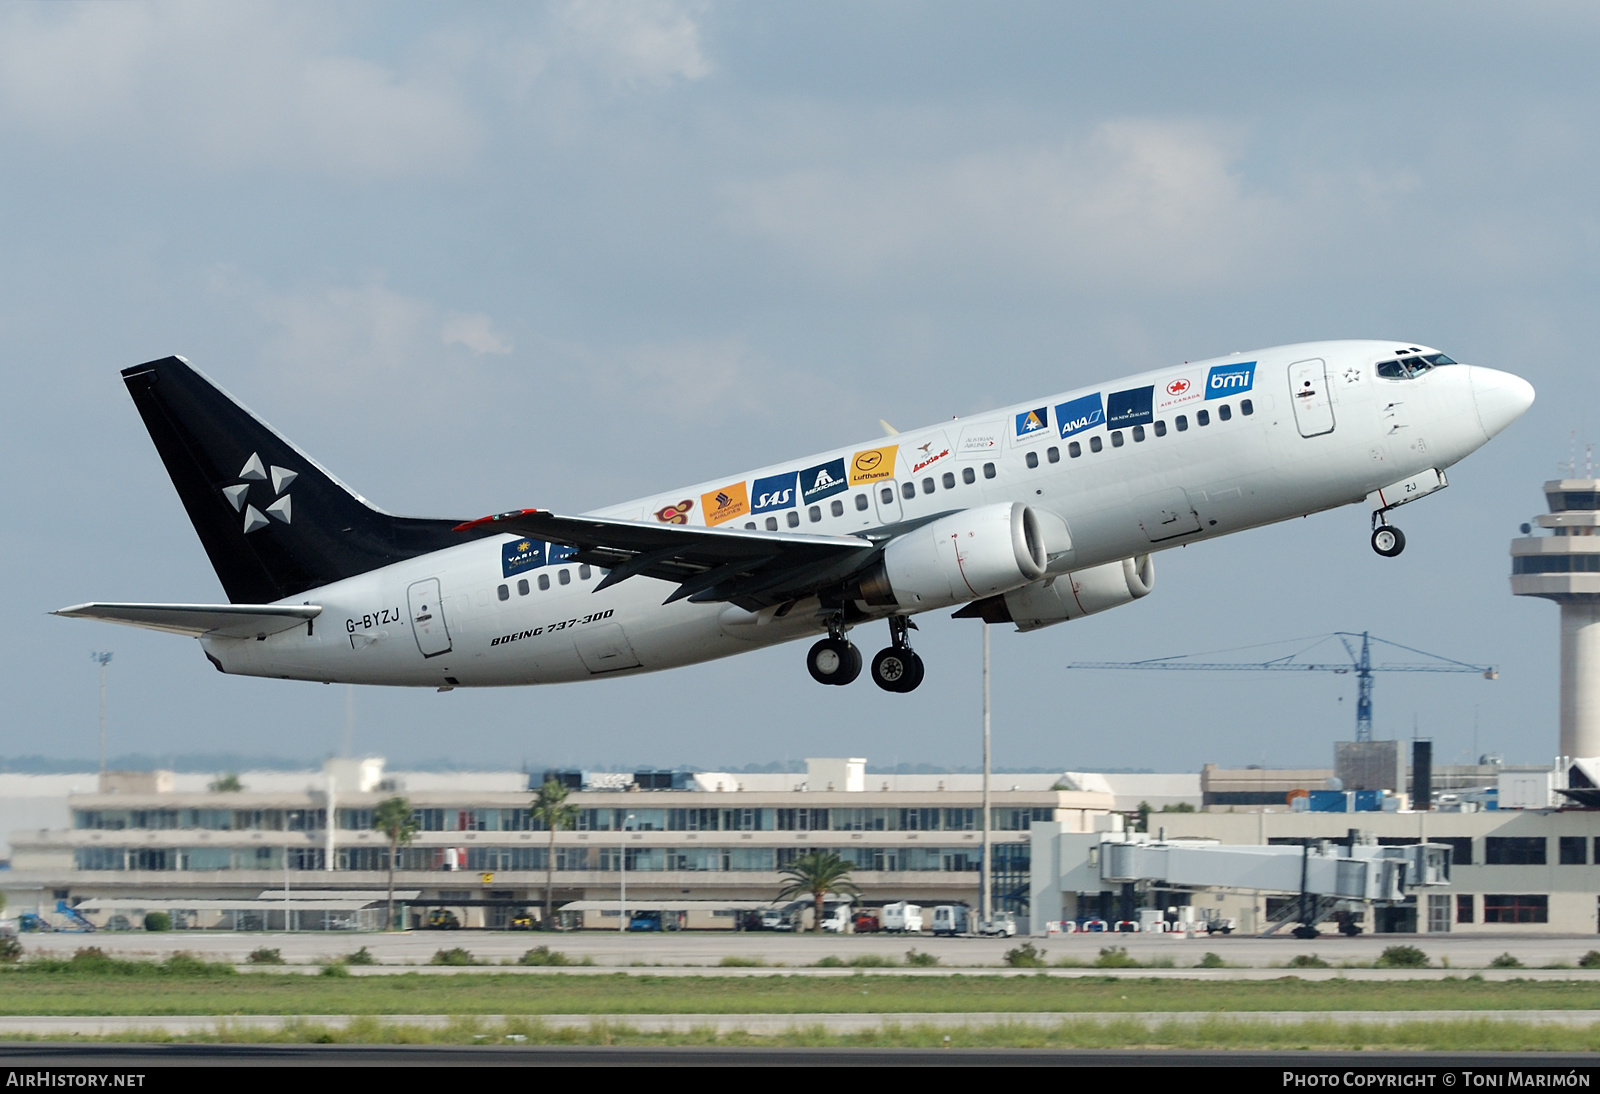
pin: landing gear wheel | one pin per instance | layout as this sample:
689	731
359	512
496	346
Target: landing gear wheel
1388	540
897	669
834	661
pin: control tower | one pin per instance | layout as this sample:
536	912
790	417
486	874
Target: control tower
1564	566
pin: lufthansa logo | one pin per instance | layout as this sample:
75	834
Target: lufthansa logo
868	461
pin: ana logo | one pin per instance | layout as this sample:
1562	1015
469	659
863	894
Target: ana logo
724	505
1178	387
929	457
675	514
873	464
1225	380
822	481
773	492
1080	414
519	555
1032	421
238	495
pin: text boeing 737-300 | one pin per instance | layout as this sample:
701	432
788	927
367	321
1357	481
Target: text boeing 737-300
1035	514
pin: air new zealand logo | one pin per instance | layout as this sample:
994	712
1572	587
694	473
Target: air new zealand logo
238	495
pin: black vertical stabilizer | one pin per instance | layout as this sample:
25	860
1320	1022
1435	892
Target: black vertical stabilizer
272	520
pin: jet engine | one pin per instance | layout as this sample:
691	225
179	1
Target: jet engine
1068	596
966	556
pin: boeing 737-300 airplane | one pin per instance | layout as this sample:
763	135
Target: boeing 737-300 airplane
1035	514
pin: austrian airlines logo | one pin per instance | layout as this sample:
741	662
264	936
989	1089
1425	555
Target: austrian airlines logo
238	495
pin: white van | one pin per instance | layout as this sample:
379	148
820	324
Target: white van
950	919
901	918
836	918
1001	925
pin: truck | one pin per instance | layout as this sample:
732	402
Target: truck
951	919
901	918
999	925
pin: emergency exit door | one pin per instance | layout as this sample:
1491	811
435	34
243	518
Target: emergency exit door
1313	405
427	617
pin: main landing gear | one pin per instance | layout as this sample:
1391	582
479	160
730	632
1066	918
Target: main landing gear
835	659
1387	540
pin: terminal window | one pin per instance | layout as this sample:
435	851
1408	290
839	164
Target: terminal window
1464	907
1574	851
1513	851
1515	908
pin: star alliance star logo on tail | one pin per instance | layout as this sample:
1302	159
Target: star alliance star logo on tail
238	495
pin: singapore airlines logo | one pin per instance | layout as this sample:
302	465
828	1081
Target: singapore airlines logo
238	495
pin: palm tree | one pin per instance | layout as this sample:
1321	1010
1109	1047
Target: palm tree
393	817
818	873
551	809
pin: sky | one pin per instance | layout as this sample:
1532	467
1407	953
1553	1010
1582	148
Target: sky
476	257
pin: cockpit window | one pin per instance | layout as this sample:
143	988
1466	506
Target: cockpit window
1409	368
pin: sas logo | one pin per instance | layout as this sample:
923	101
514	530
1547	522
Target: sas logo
1032	421
822	481
519	555
675	514
1080	414
1130	407
1225	380
873	465
777	492
721	506
928	455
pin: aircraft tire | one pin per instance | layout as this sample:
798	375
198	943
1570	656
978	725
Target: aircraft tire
918	670
1388	540
833	661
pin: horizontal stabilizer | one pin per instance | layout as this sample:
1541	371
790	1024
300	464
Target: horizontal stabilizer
228	620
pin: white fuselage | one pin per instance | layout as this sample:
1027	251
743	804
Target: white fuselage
1245	467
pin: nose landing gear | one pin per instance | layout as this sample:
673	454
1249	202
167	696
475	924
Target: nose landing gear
897	668
1387	540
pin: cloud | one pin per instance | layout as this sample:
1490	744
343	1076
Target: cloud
476	332
225	87
1137	201
644	41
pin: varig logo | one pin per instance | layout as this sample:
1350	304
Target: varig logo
928	455
1225	380
872	465
725	504
1080	414
521	554
675	514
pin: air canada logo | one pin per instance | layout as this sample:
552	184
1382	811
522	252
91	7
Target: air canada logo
675	514
1178	387
280	508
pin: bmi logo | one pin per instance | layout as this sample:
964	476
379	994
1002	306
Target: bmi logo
238	495
1225	380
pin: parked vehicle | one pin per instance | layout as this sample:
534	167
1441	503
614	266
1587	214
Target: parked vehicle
901	918
1000	925
836	918
442	919
524	922
951	919
775	919
645	921
866	921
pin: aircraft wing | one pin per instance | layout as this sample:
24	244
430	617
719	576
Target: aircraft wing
229	620
750	568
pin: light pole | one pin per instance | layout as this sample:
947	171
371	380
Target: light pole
985	911
103	659
622	864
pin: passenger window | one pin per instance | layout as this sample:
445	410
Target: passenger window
908	490
1202	417
565	577
1095	443
968	476
1161	428
544	582
815	513
887	494
1225	412
861	505
1138	433
772	524
1074	449
1182	423
927	486
837	508
1033	459
793	519
1246	407
949	481
1116	438
988	470
750	525
522	587
584	572
1053	454
505	593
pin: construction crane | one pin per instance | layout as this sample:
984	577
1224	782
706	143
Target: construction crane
1359	663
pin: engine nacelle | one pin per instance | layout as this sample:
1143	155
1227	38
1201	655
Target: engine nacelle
1070	596
966	556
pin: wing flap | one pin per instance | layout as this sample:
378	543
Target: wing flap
228	620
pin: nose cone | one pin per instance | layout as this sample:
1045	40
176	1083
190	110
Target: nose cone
1501	398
